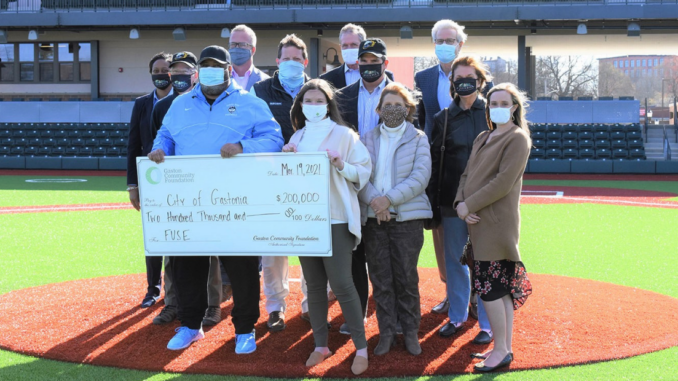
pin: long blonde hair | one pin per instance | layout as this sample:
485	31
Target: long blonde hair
518	98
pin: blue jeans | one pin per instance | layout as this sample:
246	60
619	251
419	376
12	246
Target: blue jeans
458	282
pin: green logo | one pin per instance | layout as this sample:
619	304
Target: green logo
153	175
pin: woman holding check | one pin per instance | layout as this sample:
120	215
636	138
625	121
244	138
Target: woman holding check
319	127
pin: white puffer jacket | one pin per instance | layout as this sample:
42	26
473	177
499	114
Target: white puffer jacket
411	173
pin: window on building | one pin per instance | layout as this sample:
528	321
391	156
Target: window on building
633	63
6	62
626	63
649	62
656	61
46	62
644	63
638	63
615	63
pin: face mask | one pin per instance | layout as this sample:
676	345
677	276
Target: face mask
240	56
350	56
181	82
500	115
291	73
370	73
465	86
161	81
446	53
314	113
393	115
211	76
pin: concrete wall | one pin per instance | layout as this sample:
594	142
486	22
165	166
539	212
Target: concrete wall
584	112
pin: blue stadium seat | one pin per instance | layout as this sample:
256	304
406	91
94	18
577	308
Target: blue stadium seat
634	127
637	153
62	142
554	153
44	151
537	153
48	142
19	133
585	127
60	134
105	142
603	153
113	151
554	128
570	144
57	151
616	144
31	150
101	134
21	142
618	135
85	151
32	134
603	143
539	143
617	128
620	153
569	135
586	144
554	143
634	135
33	141
601	135
123	151
538	127
73	133
98	151
71	151
636	144
4	151
570	154
4	133
87	134
16	151
587	153
92	142
570	128
117	134
601	127
551	135
585	135
541	135
77	142
7	142
46	133
121	142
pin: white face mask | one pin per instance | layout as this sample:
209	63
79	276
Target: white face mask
314	113
350	56
500	115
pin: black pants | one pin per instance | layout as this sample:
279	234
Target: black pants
153	270
359	272
190	279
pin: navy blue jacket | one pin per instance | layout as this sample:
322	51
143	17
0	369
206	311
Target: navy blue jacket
140	137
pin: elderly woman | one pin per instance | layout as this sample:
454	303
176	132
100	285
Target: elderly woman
454	130
488	200
319	127
394	206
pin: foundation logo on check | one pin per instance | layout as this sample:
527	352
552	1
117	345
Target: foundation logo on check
153	175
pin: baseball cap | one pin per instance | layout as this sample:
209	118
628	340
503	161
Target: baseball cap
374	46
217	53
184	57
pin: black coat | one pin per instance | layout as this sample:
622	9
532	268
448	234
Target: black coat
463	126
159	111
279	102
140	139
337	78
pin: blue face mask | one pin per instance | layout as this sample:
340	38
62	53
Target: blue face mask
291	74
211	76
446	53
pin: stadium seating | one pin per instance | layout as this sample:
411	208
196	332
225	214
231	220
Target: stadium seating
587	141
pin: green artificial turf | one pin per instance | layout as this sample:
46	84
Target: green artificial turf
15	191
659	186
624	245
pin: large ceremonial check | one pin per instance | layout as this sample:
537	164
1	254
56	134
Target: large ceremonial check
249	204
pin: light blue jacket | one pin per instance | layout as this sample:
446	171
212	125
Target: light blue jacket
194	127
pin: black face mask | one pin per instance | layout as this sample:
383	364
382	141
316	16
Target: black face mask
370	73
161	81
465	86
181	82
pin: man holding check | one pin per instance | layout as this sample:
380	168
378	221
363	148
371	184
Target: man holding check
217	116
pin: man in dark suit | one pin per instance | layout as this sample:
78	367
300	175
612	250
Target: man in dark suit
350	37
140	141
358	103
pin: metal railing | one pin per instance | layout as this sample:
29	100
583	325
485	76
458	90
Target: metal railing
667	146
38	6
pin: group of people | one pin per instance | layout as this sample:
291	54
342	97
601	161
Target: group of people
451	162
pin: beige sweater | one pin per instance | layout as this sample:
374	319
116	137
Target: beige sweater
490	186
344	204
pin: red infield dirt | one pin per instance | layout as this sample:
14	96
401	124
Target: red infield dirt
98	321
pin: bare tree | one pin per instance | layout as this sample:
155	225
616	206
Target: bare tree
571	76
612	82
421	63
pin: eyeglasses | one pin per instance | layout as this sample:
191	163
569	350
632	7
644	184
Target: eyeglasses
182	72
244	45
449	41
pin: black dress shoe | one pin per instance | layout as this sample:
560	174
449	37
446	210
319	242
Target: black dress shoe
149	300
482	338
449	329
485	369
442	307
